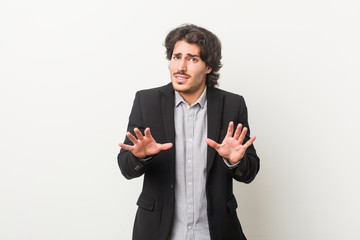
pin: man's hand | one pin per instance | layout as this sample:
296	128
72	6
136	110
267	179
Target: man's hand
144	145
232	147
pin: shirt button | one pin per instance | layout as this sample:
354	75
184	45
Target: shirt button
189	227
189	206
189	183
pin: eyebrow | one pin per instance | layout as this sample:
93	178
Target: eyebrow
189	55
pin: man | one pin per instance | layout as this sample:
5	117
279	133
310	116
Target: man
181	138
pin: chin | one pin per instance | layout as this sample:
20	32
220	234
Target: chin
178	87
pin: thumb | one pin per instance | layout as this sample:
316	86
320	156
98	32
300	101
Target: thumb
166	146
212	143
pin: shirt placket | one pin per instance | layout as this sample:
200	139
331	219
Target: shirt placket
189	171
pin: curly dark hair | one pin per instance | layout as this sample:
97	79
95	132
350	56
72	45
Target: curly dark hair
209	44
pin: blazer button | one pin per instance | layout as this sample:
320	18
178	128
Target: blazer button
171	186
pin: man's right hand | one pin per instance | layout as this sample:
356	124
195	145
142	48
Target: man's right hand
144	146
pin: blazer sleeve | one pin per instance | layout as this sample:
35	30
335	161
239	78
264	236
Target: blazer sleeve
250	164
131	166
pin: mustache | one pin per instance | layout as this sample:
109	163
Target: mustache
182	72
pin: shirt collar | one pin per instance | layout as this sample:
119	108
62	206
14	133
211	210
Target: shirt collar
201	100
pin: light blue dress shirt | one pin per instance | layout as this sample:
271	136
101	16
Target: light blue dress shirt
190	220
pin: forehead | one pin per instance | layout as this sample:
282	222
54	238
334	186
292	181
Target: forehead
185	48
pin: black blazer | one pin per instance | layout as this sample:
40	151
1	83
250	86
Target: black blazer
154	108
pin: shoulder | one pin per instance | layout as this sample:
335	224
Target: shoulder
151	98
151	92
226	95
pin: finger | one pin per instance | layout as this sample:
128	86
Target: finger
126	147
212	144
230	129
148	133
166	146
242	136
248	143
138	134
131	137
237	131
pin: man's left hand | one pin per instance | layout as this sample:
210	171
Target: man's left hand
232	147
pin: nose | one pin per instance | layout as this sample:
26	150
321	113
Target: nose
182	65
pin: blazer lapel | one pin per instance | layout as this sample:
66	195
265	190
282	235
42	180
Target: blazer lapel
214	112
167	110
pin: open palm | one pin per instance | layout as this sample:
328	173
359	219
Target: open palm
144	145
232	147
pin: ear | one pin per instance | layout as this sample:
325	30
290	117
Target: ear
208	69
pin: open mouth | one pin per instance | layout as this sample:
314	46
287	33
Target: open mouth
181	78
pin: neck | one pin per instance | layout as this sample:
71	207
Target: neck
191	97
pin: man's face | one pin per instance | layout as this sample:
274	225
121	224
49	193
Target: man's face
188	71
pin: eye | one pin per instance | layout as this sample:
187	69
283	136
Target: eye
176	57
193	60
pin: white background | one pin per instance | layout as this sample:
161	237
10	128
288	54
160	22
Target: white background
69	71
